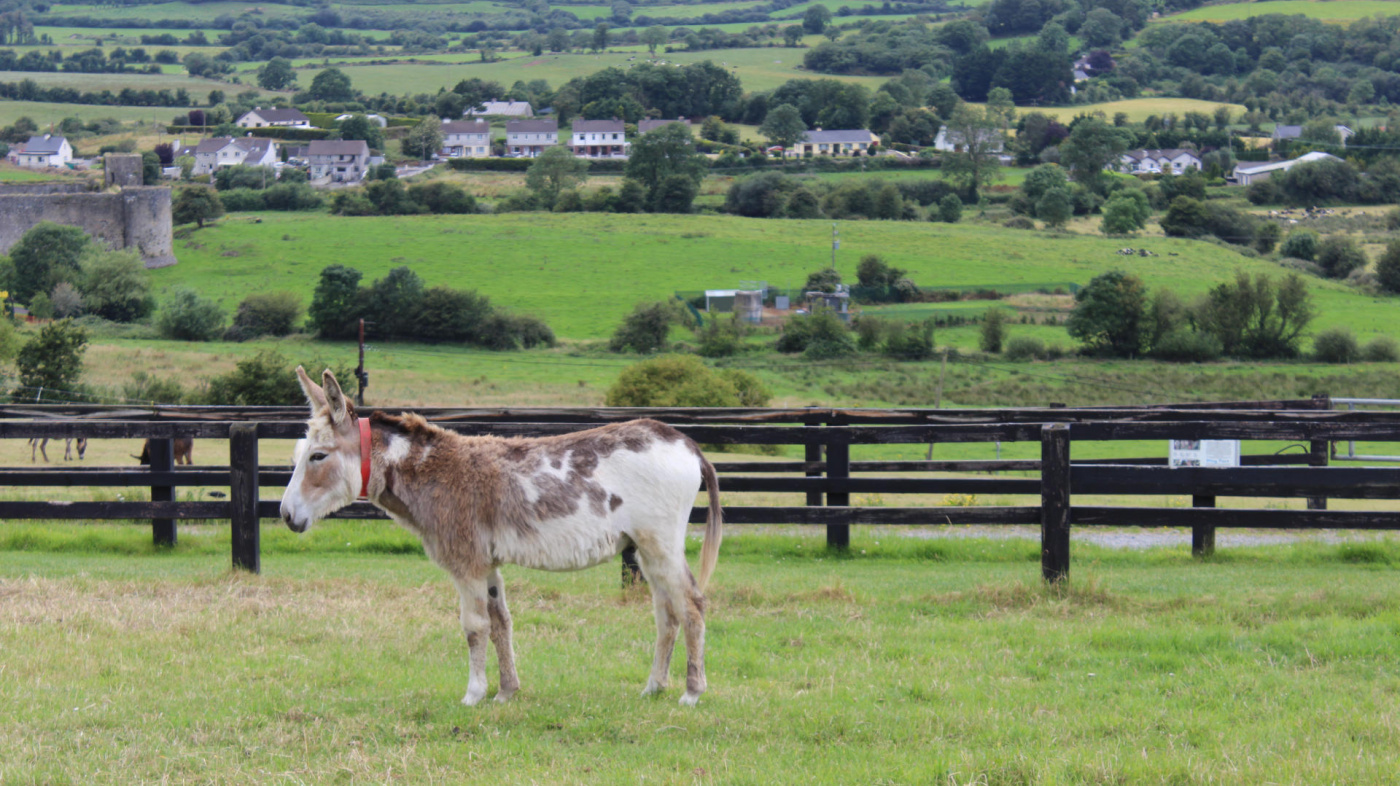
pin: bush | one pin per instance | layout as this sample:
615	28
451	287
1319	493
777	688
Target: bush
41	306
1018	222
266	314
910	342
148	389
1336	345
993	333
568	201
53	359
722	337
683	381
451	315
1300	244
116	285
647	328
1339	255
442	198
188	317
1388	266
822	329
1381	349
291	196
1025	348
950	209
266	379
242	200
1187	346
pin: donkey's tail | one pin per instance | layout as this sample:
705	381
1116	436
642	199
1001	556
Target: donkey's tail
709	552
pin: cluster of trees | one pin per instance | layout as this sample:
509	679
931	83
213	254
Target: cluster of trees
1328	182
400	307
89	61
60	271
29	90
389	197
1251	316
777	195
694	90
243	188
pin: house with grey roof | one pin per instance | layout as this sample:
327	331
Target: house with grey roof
273	118
599	139
1254	171
852	142
1173	161
502	109
529	138
338	161
466	138
211	155
45	151
1296	132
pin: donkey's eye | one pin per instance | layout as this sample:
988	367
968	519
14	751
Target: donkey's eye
318	456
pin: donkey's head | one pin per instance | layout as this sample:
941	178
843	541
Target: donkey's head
327	476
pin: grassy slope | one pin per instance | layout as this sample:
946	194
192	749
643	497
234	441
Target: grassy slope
44	113
584	272
1330	11
1273	665
1137	109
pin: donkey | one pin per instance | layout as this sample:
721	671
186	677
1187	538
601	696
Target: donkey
565	502
41	444
182	447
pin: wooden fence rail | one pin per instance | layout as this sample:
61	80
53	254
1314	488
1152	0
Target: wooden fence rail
824	477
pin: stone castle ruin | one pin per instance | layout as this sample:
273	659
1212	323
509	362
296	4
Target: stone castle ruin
124	213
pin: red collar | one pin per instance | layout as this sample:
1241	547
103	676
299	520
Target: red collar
364	458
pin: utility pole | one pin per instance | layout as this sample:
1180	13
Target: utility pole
360	374
835	244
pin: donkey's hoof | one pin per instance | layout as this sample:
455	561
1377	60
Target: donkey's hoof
504	696
690	699
473	697
653	687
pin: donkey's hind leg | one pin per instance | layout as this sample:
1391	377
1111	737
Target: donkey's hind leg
676	599
501	635
476	625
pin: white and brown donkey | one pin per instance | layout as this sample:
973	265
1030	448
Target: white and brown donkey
556	503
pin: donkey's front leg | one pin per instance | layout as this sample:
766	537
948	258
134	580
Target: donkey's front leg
476	625
501	635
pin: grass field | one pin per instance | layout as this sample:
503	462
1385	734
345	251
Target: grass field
1329	11
44	113
198	88
918	661
584	272
172	10
1137	109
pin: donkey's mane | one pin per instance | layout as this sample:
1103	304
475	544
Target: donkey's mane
408	424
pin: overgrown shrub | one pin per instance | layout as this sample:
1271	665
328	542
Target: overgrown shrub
1388	266
950	209
1025	348
822	329
1184	345
684	381
52	360
1300	244
266	379
143	387
115	284
186	316
993	332
1339	255
647	328
265	314
722	337
1018	222
1381	349
1336	345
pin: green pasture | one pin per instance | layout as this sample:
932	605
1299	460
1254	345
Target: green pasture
758	69
44	113
913	661
197	87
1137	109
1329	11
172	10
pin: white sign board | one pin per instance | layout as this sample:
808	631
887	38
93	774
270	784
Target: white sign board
1204	453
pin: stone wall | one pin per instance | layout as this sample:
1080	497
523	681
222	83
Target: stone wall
136	217
121	170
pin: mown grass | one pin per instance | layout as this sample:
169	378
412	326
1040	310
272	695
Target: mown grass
1330	11
951	664
44	113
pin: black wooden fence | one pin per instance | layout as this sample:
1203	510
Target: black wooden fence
827	475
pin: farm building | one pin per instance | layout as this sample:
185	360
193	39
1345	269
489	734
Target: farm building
502	109
1247	173
274	118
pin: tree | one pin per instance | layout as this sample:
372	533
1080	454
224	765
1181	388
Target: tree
186	316
676	194
45	256
646	329
361	127
1339	255
266	314
783	126
1266	237
1055	207
600	37
1222	117
424	139
976	163
1110	315
653	37
335	304
792	35
1001	108
873	271
815	20
664	153
1044	178
950	209
1301	244
553	171
993	333
1092	145
1388	267
1252	317
331	84
277	74
1101	28
1186	217
116	285
1126	212
52	360
150	169
196	204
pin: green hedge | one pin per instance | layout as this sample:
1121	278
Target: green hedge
294	134
522	164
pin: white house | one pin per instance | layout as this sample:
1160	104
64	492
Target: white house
1174	161
599	139
214	154
529	138
340	161
378	120
851	142
502	109
466	139
45	151
952	142
1253	172
274	118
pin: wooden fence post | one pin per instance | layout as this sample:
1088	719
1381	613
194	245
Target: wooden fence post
1054	501
1202	535
243	496
1318	457
812	452
162	456
838	465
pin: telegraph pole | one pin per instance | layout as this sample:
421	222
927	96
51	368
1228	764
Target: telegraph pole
360	374
835	244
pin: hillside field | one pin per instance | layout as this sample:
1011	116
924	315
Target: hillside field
584	272
44	113
1328	10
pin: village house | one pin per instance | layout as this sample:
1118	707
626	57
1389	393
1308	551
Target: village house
646	126
949	141
45	151
274	118
599	139
529	138
338	161
211	155
1154	162
1255	171
502	109
836	143
466	138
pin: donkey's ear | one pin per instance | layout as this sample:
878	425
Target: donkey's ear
341	408
314	394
